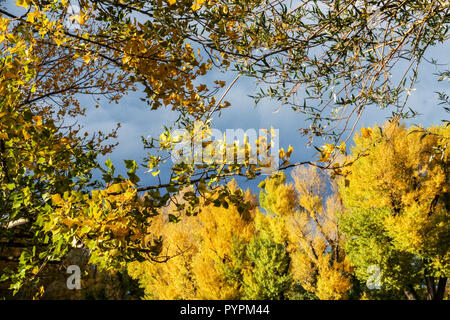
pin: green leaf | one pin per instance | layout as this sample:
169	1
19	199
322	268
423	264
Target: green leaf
173	218
109	164
131	165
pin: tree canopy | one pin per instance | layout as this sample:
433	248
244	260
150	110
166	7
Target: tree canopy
399	207
327	60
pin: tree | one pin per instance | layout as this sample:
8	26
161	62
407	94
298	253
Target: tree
308	220
330	60
47	165
221	254
39	156
269	277
109	52
398	201
208	253
225	232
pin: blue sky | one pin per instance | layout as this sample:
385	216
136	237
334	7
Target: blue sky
138	120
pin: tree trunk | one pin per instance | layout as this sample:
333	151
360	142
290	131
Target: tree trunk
434	293
430	288
411	293
440	292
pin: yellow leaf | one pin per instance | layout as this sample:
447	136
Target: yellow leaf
327	151
197	5
171	2
69	222
87	58
366	132
289	152
59	41
32	16
117	188
78	18
119	231
38	120
56	199
155	173
22	3
220	83
3	135
25	133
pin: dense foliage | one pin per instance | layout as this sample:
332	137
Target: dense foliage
193	235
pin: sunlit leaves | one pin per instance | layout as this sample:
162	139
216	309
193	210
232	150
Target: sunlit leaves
398	201
23	3
307	222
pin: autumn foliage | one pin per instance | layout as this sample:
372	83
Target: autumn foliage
315	229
